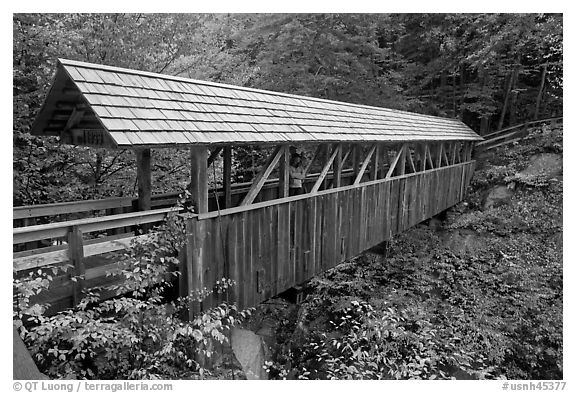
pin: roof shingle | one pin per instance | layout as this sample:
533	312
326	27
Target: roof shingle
141	108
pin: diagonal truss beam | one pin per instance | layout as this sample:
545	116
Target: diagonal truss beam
453	147
262	176
428	156
410	160
376	164
327	166
316	153
364	165
445	156
213	156
395	162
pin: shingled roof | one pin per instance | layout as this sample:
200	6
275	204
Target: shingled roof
90	104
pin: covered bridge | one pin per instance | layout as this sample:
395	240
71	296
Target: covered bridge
378	171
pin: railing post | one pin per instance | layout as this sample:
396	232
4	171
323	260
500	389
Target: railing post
76	256
195	251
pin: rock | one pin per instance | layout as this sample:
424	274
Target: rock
23	366
248	348
548	165
497	196
435	223
463	241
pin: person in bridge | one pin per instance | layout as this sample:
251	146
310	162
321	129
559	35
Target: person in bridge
297	175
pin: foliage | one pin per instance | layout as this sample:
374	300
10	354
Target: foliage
479	299
403	61
138	335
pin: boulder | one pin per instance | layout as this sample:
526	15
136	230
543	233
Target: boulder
248	348
548	165
497	196
23	366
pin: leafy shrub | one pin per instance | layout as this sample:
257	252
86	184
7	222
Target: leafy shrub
135	336
481	299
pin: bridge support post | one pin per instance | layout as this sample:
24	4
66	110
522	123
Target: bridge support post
227	177
198	178
144	176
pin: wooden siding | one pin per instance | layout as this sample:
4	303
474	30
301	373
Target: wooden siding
139	108
271	246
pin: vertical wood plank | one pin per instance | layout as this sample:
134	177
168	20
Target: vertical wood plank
283	249
311	234
333	203
194	252
394	189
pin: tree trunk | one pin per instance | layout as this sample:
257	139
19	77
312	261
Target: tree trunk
483	125
511	83
461	96
540	91
442	90
454	94
513	101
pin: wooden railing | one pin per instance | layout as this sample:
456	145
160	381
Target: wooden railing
90	243
510	134
271	246
79	252
24	216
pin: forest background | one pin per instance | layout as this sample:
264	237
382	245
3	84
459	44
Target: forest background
490	70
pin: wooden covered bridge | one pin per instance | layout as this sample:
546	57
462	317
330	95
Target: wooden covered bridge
371	173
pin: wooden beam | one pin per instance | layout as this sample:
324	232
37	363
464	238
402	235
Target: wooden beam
74	118
324	171
376	163
394	163
284	173
428	155
199	178
347	155
337	179
355	158
76	257
342	163
260	179
227	177
309	165
410	160
402	161
439	152
326	153
144	178
364	165
421	156
453	147
213	156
